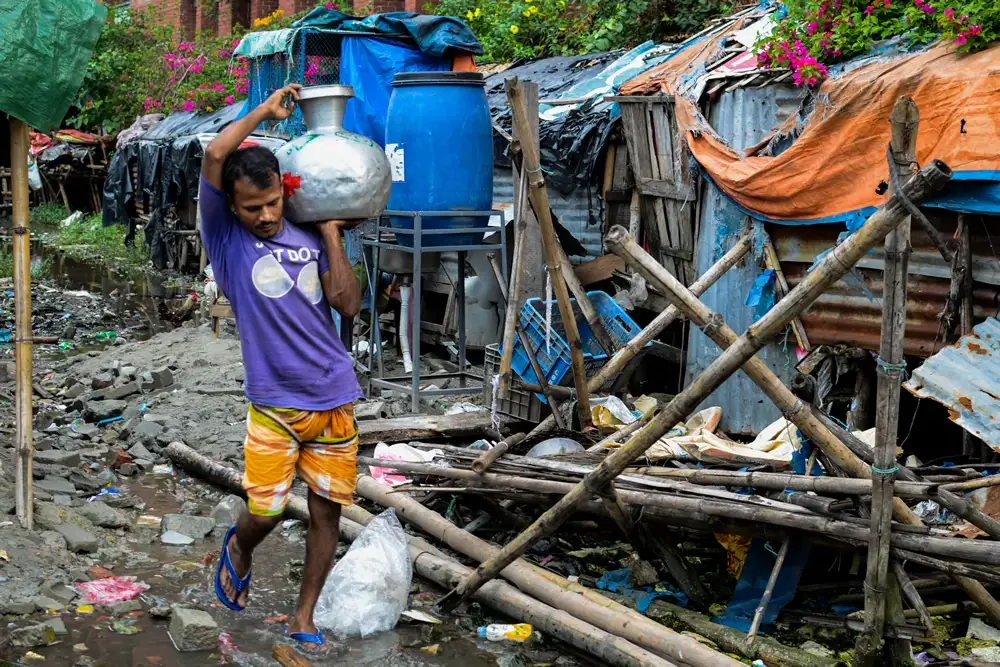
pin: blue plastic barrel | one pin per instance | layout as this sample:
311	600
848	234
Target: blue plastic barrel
439	140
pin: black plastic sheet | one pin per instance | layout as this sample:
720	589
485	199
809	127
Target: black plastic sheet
572	145
167	163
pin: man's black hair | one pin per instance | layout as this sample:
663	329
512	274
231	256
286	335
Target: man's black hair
253	163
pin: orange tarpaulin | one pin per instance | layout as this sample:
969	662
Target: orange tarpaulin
835	165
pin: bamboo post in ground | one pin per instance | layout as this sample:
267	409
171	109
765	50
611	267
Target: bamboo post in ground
22	320
905	119
512	312
539	198
631	349
758	615
831	268
714	327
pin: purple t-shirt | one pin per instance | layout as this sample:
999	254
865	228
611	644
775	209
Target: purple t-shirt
292	353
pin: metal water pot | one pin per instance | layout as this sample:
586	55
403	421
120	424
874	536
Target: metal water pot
329	173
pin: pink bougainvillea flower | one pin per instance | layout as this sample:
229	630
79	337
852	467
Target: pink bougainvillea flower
975	30
949	14
230	99
812	28
869	10
960	40
189	105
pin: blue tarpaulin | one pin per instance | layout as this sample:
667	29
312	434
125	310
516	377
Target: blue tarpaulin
753	580
434	35
620	581
368	65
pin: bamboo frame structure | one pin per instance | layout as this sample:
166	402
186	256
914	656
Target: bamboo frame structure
22	321
835	265
631	349
904	121
539	198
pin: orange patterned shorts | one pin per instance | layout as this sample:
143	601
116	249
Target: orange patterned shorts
321	446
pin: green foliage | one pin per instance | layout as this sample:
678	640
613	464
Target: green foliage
40	267
512	29
89	238
816	33
140	66
47	214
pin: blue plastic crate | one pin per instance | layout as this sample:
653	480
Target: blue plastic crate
555	362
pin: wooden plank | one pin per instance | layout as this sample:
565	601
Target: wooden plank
679	213
423	427
598	269
634	129
644	99
667	238
666	189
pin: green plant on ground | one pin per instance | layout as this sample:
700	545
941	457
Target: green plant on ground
89	238
814	34
47	214
40	266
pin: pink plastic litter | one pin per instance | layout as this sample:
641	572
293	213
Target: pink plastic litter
114	589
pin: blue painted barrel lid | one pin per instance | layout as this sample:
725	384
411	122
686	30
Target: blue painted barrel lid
438	79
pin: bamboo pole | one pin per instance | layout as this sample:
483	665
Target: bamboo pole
552	590
487	458
904	120
513	295
22	320
969	512
780	481
540	375
539	198
703	509
772	262
837	263
587	309
631	349
714	327
978	594
912	595
758	615
432	563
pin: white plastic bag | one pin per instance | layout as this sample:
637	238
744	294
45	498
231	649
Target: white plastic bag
367	590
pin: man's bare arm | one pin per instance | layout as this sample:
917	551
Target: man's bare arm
340	285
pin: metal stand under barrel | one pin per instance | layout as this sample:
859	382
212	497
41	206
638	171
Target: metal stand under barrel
377	243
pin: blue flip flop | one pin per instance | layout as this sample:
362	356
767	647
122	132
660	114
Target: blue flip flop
240	584
306	637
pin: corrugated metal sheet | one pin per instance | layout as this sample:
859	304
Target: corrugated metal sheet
743	117
574	212
845	315
965	378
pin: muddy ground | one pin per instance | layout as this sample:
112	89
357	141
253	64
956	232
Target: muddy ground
105	407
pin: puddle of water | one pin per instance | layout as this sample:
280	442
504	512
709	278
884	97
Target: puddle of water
273	592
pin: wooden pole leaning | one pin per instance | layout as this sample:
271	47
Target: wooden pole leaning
539	198
835	265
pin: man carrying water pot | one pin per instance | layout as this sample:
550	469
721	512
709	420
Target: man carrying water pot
281	280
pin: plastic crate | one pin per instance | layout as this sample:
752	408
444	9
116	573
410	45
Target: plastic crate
521	404
555	362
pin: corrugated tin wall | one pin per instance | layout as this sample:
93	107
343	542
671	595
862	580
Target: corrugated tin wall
574	212
742	117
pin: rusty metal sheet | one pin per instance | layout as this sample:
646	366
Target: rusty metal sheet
965	378
844	314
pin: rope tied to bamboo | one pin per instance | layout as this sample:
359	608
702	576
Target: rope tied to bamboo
886	471
912	209
888	367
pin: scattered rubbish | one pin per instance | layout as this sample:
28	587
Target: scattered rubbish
36	657
85	609
372	579
163	469
113	589
432	649
420	616
518	632
4	555
104	492
277	618
461	408
555	447
126	627
175	539
149	520
106	336
399	452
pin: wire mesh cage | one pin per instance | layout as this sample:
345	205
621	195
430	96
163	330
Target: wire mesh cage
312	60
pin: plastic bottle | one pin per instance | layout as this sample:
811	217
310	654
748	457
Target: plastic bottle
515	633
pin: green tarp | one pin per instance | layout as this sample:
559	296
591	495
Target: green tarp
44	49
